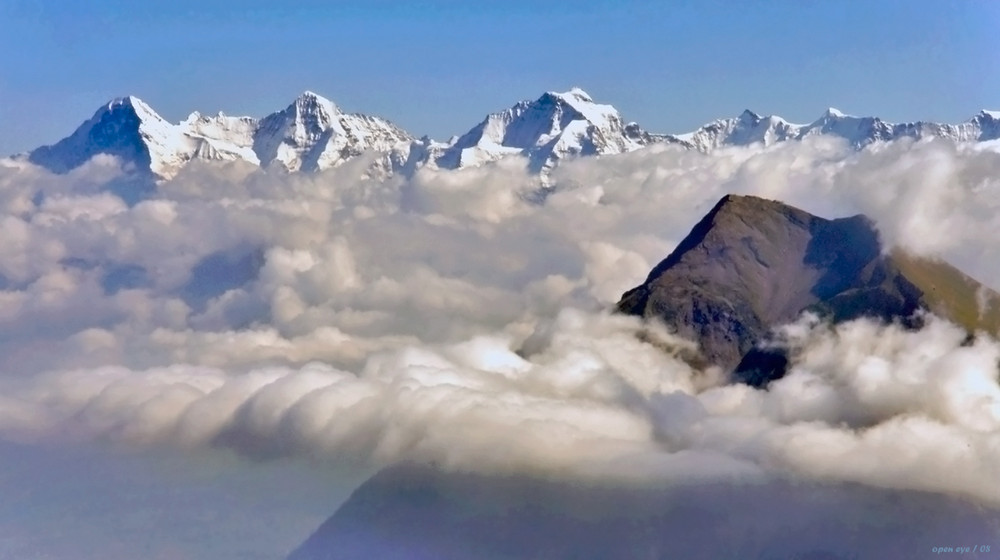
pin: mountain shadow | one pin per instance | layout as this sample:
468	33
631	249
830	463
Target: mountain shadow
415	513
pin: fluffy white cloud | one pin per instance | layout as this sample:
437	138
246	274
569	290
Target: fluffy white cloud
450	318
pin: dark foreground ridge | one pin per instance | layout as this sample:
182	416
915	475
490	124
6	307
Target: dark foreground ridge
420	513
753	264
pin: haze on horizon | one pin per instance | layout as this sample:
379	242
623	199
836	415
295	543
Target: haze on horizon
437	68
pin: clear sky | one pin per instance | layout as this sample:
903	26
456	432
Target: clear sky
437	67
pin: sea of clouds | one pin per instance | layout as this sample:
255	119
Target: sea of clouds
453	318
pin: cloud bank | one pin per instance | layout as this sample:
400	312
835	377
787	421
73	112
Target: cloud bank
448	319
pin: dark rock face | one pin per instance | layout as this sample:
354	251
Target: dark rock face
410	512
113	131
753	264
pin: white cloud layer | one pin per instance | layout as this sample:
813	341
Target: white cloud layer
446	319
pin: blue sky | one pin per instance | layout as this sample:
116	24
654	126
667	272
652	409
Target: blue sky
437	67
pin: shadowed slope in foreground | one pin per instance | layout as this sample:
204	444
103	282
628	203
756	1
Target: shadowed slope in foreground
420	513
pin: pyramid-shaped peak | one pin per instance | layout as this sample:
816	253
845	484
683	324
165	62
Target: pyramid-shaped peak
130	104
748	115
833	113
740	210
580	102
309	94
126	100
310	101
748	200
752	264
575	96
748	204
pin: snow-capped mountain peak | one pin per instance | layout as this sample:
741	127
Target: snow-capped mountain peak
312	103
313	133
578	93
137	106
581	102
992	115
985	126
858	131
746	129
125	127
293	136
553	127
833	113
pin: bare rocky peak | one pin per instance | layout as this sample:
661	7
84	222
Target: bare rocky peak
752	264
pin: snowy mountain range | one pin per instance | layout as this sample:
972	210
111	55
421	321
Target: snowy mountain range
750	128
310	134
313	134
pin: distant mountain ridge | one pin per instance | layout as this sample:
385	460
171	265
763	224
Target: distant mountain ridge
750	128
313	134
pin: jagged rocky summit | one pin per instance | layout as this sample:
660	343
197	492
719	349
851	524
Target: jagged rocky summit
751	265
